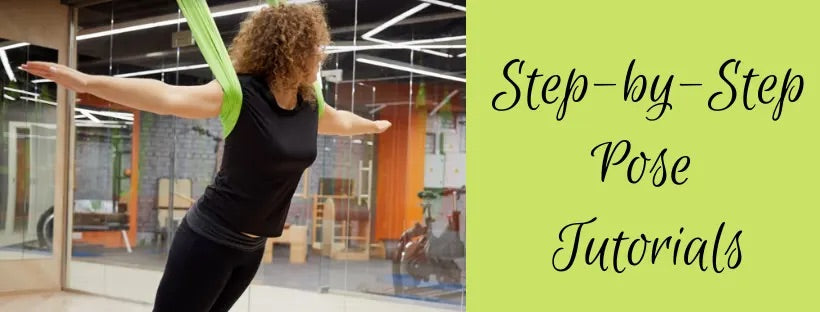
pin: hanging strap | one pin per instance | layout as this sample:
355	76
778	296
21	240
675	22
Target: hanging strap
210	43
212	47
317	90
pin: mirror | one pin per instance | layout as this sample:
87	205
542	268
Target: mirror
28	115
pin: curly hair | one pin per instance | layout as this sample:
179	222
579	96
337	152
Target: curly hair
279	42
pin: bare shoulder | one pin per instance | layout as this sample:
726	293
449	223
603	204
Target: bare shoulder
201	101
213	90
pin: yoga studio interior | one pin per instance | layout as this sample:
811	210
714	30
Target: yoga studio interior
91	191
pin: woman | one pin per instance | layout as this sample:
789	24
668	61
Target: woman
219	243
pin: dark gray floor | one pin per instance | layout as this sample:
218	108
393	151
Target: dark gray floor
372	277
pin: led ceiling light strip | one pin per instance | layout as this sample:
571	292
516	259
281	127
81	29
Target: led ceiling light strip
371	61
437	53
446	4
38	100
90	116
14	46
394	46
118	115
434	40
395	20
369	35
21	91
175	21
130	29
85	113
4	59
343	49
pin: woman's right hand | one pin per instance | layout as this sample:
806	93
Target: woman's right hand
65	76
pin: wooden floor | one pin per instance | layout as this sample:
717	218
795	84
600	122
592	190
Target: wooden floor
66	302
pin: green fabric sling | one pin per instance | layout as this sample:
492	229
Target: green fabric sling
213	49
210	43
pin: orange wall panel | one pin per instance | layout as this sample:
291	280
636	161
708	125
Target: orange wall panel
400	157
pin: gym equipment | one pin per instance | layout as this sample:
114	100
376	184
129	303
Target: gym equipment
114	218
421	255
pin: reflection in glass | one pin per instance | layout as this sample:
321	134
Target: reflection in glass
418	209
351	227
27	154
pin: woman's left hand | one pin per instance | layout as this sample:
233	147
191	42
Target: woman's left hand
382	125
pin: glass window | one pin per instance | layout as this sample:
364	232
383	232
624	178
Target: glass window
28	114
351	231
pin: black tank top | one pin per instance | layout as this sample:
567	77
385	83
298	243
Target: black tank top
264	157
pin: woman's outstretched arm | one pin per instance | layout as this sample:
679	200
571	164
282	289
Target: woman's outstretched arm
339	122
195	102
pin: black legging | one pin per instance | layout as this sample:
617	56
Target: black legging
202	276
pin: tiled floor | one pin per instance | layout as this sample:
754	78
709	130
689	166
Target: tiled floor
297	301
140	285
369	277
66	302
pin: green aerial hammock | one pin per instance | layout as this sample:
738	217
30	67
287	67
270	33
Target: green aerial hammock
210	43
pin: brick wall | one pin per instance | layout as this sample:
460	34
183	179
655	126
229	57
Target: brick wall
195	160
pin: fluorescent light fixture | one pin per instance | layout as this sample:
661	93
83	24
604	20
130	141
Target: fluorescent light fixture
130	29
38	81
87	113
4	59
434	40
38	100
14	46
117	115
446	4
395	20
21	91
369	35
9	97
175	21
412	69
394	45
343	49
91	117
164	70
442	54
239	11
462	54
